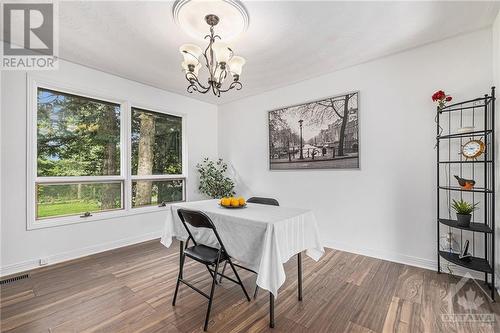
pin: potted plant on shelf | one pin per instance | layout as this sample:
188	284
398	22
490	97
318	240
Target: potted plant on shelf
464	210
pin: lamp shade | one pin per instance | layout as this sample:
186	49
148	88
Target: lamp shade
191	53
236	64
222	52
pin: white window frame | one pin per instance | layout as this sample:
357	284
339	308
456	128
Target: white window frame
182	176
33	83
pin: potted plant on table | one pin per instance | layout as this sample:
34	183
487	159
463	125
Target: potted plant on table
464	210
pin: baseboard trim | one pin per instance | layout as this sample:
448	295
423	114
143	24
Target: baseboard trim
75	254
404	259
384	255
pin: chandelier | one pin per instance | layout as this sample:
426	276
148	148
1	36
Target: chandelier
219	60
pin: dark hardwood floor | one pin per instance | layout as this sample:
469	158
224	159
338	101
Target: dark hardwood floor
130	290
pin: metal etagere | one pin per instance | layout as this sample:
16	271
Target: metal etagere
456	124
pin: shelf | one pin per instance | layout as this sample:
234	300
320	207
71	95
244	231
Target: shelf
475	263
464	135
457	188
465	162
453	107
452	120
476	227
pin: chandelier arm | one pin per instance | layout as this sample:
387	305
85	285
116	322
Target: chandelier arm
194	84
234	84
208	47
192	78
215	90
209	59
222	78
192	87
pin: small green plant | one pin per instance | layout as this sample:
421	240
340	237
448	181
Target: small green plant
463	207
213	180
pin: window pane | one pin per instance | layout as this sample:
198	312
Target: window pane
156	143
154	192
77	136
77	198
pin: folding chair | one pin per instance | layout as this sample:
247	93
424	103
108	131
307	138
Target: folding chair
208	256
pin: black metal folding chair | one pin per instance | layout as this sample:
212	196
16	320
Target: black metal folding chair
208	256
262	201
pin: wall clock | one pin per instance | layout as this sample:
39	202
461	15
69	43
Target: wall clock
472	149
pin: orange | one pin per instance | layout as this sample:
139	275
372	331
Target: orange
225	202
241	201
235	202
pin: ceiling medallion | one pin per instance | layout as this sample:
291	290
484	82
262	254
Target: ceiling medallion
219	60
189	16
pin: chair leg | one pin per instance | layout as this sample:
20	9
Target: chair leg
183	257
256	292
238	278
223	270
214	282
211	274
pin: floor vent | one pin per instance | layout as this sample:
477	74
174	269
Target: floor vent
14	278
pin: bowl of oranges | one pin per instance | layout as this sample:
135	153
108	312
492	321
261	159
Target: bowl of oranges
232	202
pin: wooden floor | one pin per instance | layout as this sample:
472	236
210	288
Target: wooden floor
130	290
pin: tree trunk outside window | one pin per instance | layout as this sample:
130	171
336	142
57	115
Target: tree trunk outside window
145	161
109	160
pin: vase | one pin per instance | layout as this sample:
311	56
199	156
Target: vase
463	220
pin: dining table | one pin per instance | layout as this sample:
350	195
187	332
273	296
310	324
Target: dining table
262	238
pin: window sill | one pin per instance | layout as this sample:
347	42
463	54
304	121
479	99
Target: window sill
69	220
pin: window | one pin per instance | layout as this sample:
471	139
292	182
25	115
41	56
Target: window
156	158
85	165
77	198
78	145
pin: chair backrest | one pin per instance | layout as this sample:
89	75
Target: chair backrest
197	219
264	201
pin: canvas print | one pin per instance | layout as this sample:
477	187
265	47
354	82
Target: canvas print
323	134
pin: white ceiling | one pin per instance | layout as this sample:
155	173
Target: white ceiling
286	42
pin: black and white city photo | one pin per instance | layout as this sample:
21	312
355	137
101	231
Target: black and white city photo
322	134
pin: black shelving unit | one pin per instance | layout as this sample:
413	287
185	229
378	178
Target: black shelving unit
479	116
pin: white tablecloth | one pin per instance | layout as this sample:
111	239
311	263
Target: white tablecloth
260	237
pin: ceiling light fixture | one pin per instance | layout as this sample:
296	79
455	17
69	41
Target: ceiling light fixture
218	58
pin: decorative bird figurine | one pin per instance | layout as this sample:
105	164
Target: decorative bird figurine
465	184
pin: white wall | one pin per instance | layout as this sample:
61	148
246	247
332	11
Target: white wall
496	79
21	249
496	51
387	208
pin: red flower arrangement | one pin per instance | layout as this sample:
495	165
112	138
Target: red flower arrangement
441	98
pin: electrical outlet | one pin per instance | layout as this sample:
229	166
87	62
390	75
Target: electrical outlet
44	261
